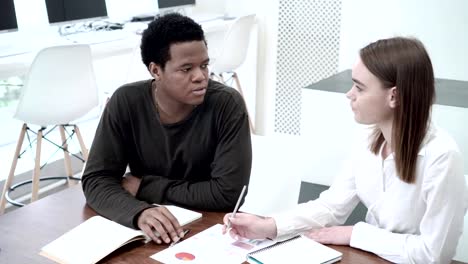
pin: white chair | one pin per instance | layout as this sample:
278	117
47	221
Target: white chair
59	88
233	52
137	70
277	170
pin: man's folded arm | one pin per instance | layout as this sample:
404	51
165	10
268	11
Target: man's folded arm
104	193
102	178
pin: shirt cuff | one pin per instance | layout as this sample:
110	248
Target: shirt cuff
284	227
359	234
288	227
378	241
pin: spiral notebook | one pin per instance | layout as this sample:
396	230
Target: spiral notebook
300	248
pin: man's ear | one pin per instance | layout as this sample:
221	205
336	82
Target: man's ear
155	71
393	97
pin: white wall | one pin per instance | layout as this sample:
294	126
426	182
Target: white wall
210	6
123	9
438	24
267	21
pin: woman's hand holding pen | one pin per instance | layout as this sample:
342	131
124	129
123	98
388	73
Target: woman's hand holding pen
249	226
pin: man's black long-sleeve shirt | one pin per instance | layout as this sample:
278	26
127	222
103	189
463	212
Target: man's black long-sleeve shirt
201	162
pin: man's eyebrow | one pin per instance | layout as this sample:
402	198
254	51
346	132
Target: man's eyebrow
188	64
184	65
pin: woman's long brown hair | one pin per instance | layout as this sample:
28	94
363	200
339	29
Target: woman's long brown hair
405	64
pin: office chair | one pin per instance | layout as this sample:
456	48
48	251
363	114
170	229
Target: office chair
233	53
136	70
59	88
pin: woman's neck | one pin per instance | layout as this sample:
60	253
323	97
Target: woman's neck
386	129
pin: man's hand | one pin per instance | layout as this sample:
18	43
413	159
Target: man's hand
336	235
131	183
160	225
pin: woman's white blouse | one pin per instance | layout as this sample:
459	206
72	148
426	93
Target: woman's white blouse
405	223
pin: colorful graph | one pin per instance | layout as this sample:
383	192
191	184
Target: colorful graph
185	256
243	245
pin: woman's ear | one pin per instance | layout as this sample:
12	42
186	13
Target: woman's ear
155	71
393	97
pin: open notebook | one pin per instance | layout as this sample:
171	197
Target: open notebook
300	249
97	237
184	216
210	246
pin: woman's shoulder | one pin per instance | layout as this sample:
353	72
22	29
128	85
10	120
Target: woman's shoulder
442	161
438	142
440	152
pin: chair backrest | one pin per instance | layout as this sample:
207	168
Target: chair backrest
235	45
136	70
60	86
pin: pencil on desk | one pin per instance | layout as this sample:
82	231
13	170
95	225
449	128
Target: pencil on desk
186	231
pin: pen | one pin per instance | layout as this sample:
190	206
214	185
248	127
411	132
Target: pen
237	206
186	231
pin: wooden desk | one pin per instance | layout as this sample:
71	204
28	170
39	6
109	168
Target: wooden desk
25	231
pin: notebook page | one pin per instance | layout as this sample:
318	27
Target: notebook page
90	241
184	216
302	249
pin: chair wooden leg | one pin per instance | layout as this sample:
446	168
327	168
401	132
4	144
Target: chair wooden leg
217	77
66	154
84	150
37	168
221	78
11	175
239	87
213	76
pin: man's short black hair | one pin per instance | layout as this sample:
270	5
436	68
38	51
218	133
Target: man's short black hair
164	31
